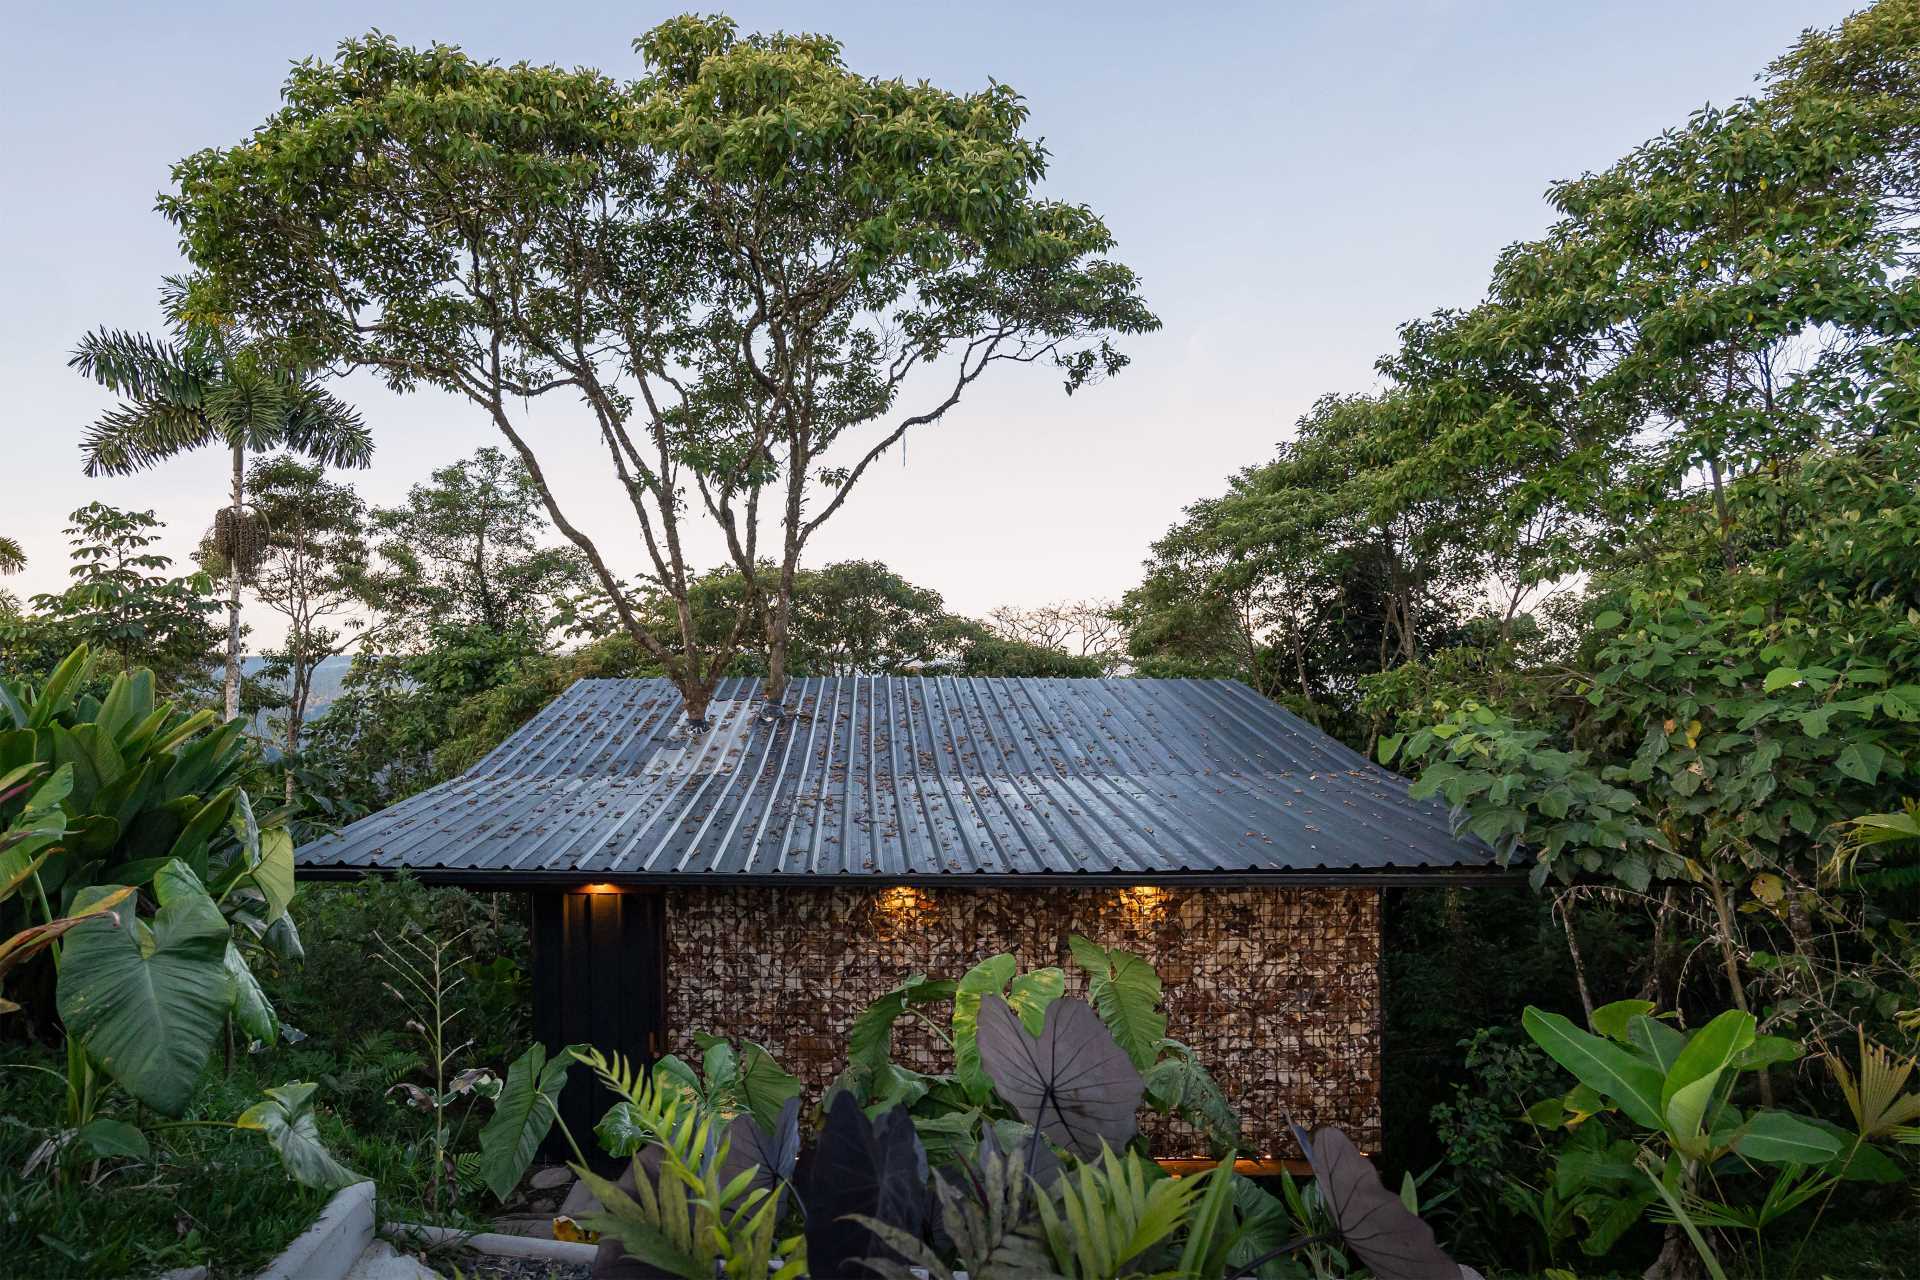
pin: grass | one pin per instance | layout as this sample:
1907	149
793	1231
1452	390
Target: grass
208	1195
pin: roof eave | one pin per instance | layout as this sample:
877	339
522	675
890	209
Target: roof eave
1396	878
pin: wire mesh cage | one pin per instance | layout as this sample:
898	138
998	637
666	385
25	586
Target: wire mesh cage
1275	990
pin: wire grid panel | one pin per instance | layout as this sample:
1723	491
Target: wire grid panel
1276	990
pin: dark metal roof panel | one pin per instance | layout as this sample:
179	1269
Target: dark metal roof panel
911	778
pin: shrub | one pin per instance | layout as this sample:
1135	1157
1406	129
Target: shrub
336	997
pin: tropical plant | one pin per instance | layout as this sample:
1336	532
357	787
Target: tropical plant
955	1110
144	998
13	557
525	1110
212	384
429	971
30	839
1055	1187
989	1216
731	1081
1702	1160
710	1204
151	783
1104	1218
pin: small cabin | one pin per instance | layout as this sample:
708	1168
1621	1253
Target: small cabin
771	873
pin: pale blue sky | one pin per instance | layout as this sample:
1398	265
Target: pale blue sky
1292	181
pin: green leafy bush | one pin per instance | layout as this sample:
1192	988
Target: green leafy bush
332	997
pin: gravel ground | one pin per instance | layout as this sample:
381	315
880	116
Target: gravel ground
484	1266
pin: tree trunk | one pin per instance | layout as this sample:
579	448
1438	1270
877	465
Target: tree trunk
1676	1261
780	630
1730	960
1562	906
1660	963
697	695
296	712
233	587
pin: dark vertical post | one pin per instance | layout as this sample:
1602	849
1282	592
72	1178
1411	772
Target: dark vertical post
599	978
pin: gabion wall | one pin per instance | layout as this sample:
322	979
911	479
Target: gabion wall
1277	990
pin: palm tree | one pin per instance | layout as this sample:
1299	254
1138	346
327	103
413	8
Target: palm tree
212	385
13	557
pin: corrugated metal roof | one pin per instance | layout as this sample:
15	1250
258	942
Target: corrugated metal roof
911	778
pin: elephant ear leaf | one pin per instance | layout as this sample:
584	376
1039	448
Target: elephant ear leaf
873	1169
1074	1083
149	1014
523	1115
870	1039
1126	991
1392	1242
285	1116
773	1155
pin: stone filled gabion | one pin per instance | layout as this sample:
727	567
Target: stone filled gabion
1276	990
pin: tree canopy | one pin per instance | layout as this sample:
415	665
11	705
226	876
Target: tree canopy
728	265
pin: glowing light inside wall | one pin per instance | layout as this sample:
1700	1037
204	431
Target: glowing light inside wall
901	900
1144	902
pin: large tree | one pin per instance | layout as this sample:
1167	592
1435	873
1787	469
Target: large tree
872	257
727	266
212	385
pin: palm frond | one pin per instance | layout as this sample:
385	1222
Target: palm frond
248	408
321	426
13	557
141	434
1874	1098
1109	1212
138	367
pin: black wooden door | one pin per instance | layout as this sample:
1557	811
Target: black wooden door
599	978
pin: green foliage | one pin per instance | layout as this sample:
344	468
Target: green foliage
1488	1148
148	998
693	1215
147	797
123	604
1103	1218
986	654
204	1193
310	567
286	1118
1126	991
329	997
1693	1148
211	384
465	549
735	1081
523	1115
990	1221
880	206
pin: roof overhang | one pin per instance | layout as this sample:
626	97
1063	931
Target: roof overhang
561	881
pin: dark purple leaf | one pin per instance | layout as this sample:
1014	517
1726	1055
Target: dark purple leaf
776	1153
1393	1243
876	1168
1074	1083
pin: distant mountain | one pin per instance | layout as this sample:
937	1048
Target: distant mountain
327	679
